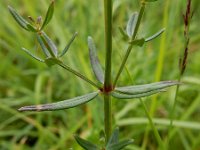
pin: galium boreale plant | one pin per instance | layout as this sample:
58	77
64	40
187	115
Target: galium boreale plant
106	83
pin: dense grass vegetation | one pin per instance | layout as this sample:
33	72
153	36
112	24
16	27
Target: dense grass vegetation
24	81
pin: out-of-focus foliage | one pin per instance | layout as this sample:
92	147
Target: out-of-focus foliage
24	81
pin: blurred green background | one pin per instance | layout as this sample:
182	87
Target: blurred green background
24	81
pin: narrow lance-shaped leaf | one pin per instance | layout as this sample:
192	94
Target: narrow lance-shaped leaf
120	95
49	44
114	137
31	28
68	45
140	89
43	46
151	0
97	69
20	20
86	144
33	56
49	15
123	33
61	104
119	145
138	42
52	61
155	35
130	28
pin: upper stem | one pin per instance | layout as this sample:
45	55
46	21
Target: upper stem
130	46
108	80
108	41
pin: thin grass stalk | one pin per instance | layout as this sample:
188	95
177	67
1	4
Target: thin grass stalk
158	70
182	66
155	131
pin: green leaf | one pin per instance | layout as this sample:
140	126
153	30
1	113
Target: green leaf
145	88
155	35
52	61
43	46
31	28
130	28
123	33
97	69
30	54
151	0
119	145
86	144
66	104
49	15
20	20
138	42
49	45
120	95
68	45
114	137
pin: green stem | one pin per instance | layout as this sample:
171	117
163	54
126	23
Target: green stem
79	75
108	81
130	46
107	116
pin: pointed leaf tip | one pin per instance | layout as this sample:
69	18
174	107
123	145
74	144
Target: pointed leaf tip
69	44
96	66
20	20
66	104
144	90
49	15
155	35
30	54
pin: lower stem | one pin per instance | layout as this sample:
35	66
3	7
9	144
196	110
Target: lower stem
107	116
